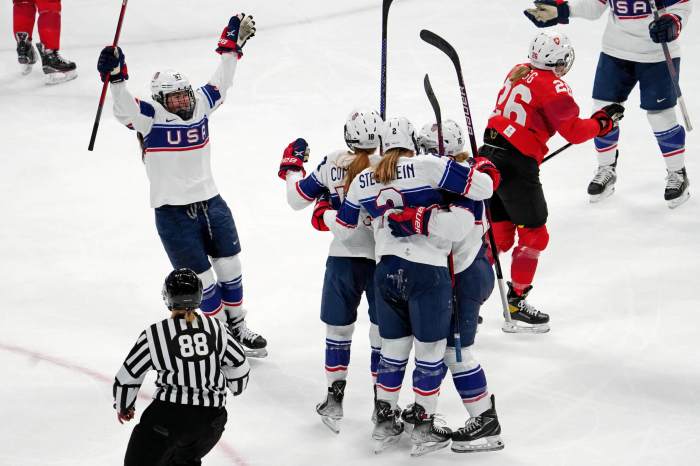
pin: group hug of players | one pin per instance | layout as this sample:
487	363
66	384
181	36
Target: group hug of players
397	217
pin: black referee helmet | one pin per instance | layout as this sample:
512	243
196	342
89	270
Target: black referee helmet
182	290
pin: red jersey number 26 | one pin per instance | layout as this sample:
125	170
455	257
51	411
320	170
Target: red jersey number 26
510	101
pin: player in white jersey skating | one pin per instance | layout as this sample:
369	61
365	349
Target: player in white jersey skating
632	54
193	221
350	264
473	284
412	280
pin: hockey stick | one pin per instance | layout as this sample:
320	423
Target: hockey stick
386	4
672	72
450	259
440	43
561	149
95	125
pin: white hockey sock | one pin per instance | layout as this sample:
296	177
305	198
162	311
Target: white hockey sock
469	380
670	136
428	374
392	366
606	146
338	341
375	342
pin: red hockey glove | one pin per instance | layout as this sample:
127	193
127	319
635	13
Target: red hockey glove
293	158
608	117
240	28
484	165
411	221
665	29
322	205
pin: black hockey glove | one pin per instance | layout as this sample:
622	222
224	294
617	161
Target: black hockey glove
548	13
112	65
665	29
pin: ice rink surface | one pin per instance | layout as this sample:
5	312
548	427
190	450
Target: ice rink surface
614	383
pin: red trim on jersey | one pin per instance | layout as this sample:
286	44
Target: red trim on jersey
177	149
302	193
634	17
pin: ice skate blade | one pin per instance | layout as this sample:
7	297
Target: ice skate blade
332	424
58	77
25	68
594	198
382	444
493	443
673	203
256	353
425	448
513	327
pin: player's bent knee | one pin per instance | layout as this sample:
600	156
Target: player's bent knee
397	348
468	360
340	332
661	120
533	238
227	268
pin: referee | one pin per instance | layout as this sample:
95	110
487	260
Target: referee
196	358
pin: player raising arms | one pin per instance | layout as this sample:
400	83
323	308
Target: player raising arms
350	264
412	279
193	221
533	104
632	54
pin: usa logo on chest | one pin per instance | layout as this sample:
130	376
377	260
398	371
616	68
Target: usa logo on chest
174	138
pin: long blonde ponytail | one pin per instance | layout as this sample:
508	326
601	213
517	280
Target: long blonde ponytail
356	166
386	169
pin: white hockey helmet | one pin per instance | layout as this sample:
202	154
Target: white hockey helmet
552	51
168	82
399	132
452	138
362	128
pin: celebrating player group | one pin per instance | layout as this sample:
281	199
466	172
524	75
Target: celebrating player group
409	214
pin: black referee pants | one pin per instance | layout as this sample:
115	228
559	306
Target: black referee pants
171	434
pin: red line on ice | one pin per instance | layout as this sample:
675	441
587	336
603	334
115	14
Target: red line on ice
225	448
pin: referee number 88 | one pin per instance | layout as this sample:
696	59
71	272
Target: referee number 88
193	345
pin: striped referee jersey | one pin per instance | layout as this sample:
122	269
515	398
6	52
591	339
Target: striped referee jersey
195	363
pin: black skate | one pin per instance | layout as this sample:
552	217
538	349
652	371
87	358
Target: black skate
677	188
26	56
481	433
255	345
524	318
331	410
388	426
603	183
56	68
426	436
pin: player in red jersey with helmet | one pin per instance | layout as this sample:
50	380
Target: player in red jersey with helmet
24	13
534	104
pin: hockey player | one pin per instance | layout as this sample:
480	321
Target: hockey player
414	301
196	359
632	54
24	12
350	264
533	104
193	221
473	282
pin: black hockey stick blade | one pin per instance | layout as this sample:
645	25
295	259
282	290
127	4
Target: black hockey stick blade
438	114
437	41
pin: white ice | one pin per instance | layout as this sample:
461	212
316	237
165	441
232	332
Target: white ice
615	382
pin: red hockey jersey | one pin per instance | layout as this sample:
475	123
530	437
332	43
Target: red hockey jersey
530	110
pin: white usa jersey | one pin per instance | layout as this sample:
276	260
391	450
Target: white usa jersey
329	177
627	33
176	152
420	182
